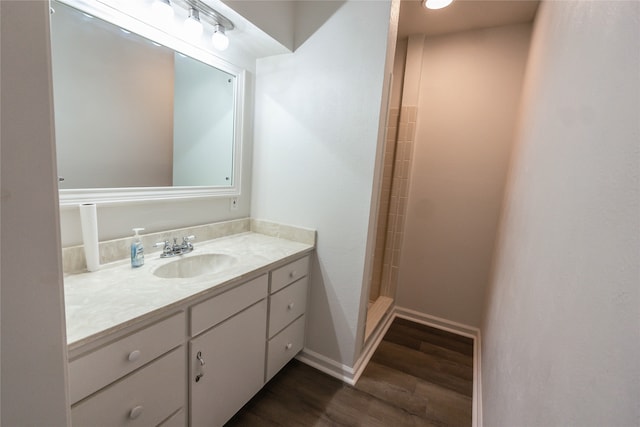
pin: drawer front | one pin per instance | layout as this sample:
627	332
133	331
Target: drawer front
287	305
91	372
284	346
289	274
179	419
221	307
145	398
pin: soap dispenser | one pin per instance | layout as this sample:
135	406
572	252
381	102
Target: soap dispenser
137	250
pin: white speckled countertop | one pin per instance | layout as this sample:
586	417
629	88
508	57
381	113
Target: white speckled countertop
116	296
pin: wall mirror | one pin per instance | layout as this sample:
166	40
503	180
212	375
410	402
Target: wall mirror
139	117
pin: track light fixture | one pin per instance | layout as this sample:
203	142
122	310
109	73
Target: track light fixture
198	13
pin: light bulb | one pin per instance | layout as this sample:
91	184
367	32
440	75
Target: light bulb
219	39
437	4
162	10
192	25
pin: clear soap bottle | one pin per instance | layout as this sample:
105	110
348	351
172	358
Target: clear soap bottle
137	250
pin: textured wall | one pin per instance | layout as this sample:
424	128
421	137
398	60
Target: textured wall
561	334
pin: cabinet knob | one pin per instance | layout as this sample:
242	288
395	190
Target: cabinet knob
134	355
135	412
288	346
290	306
292	274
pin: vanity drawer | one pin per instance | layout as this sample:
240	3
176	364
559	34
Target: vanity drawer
289	274
179	419
145	398
91	372
287	305
284	346
221	307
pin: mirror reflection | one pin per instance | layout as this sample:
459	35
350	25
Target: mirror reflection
132	113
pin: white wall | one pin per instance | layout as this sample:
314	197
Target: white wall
469	90
32	337
561	334
316	135
274	17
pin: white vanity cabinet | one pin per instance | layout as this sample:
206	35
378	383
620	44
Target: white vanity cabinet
136	380
200	363
287	305
227	361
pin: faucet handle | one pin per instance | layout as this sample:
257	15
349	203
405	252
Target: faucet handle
186	242
164	243
166	248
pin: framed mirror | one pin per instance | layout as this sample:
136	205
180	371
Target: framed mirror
140	116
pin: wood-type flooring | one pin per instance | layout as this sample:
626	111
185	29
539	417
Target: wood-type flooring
418	376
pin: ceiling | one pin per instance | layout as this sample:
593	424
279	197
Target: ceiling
463	15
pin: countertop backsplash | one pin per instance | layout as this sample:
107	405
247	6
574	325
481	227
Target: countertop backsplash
73	258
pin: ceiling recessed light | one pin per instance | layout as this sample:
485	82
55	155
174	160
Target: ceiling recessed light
436	4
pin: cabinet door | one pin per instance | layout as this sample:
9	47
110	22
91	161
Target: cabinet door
227	366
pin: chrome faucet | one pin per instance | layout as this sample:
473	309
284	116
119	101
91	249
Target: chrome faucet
175	249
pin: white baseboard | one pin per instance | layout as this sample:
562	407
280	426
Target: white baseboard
343	372
350	375
329	366
437	322
372	344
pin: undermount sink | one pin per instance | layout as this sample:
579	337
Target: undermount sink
194	266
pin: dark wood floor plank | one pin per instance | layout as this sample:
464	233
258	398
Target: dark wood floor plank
416	377
383	414
392	386
446	354
445	406
426	367
404	334
431	330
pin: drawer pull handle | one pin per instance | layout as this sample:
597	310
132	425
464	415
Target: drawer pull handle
135	412
290	306
292	274
288	346
200	358
134	355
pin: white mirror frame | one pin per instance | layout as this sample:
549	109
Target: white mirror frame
135	194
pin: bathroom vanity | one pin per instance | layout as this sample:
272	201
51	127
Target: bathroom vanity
149	350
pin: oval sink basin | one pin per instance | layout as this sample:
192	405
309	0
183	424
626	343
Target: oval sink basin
194	266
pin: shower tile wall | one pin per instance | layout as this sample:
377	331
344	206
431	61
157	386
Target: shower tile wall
400	137
398	202
385	198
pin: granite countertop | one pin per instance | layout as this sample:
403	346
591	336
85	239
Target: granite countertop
117	295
